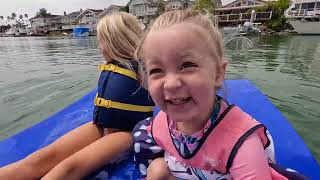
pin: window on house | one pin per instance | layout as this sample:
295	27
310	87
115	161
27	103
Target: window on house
175	6
89	15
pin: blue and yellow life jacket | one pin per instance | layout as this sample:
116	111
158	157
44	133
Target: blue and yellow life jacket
120	102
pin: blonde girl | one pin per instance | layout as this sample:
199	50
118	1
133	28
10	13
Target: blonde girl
120	103
199	134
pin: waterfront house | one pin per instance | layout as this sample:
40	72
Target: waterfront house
41	24
71	17
171	5
145	10
239	11
69	20
240	6
89	17
109	10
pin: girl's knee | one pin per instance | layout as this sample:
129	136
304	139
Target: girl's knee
159	170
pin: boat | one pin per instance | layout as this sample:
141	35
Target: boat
291	152
304	16
245	29
81	31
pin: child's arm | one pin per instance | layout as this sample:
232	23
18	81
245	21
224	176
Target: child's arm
40	162
145	148
159	170
250	161
91	157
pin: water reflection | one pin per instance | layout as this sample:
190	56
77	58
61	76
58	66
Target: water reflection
287	70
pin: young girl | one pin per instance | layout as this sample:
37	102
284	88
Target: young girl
202	136
120	103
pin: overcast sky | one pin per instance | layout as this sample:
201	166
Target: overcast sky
31	7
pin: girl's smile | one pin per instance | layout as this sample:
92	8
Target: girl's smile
182	74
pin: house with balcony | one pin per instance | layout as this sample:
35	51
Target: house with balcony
171	5
69	20
109	10
71	17
48	23
239	11
241	6
145	10
89	18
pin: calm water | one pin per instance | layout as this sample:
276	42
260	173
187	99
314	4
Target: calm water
39	76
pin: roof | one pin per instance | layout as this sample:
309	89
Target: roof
104	12
77	13
232	2
98	11
95	10
238	7
148	1
49	16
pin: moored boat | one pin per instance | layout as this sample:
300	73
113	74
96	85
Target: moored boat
81	31
304	16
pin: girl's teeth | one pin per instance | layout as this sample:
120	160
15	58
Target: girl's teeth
178	101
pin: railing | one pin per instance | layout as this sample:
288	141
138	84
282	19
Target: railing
305	12
241	17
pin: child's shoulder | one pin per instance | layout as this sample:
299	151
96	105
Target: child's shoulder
132	62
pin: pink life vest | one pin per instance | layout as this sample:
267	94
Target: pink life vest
231	129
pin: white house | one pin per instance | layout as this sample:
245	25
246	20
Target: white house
145	10
171	5
51	21
71	17
70	20
109	10
240	6
89	17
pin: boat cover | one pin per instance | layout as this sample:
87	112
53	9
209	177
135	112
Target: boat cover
79	31
290	151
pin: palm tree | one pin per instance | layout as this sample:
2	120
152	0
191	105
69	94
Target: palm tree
13	16
21	17
43	13
8	19
26	16
1	17
20	20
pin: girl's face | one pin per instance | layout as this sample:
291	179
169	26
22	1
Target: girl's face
104	52
182	74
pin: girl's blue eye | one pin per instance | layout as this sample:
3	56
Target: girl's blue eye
155	71
188	64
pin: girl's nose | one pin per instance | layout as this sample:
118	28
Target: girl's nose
172	82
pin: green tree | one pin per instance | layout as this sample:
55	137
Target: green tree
278	19
1	17
160	4
124	9
204	6
8	19
13	16
26	16
21	17
43	13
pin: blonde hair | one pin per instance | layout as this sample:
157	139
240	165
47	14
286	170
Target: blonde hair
120	34
168	19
